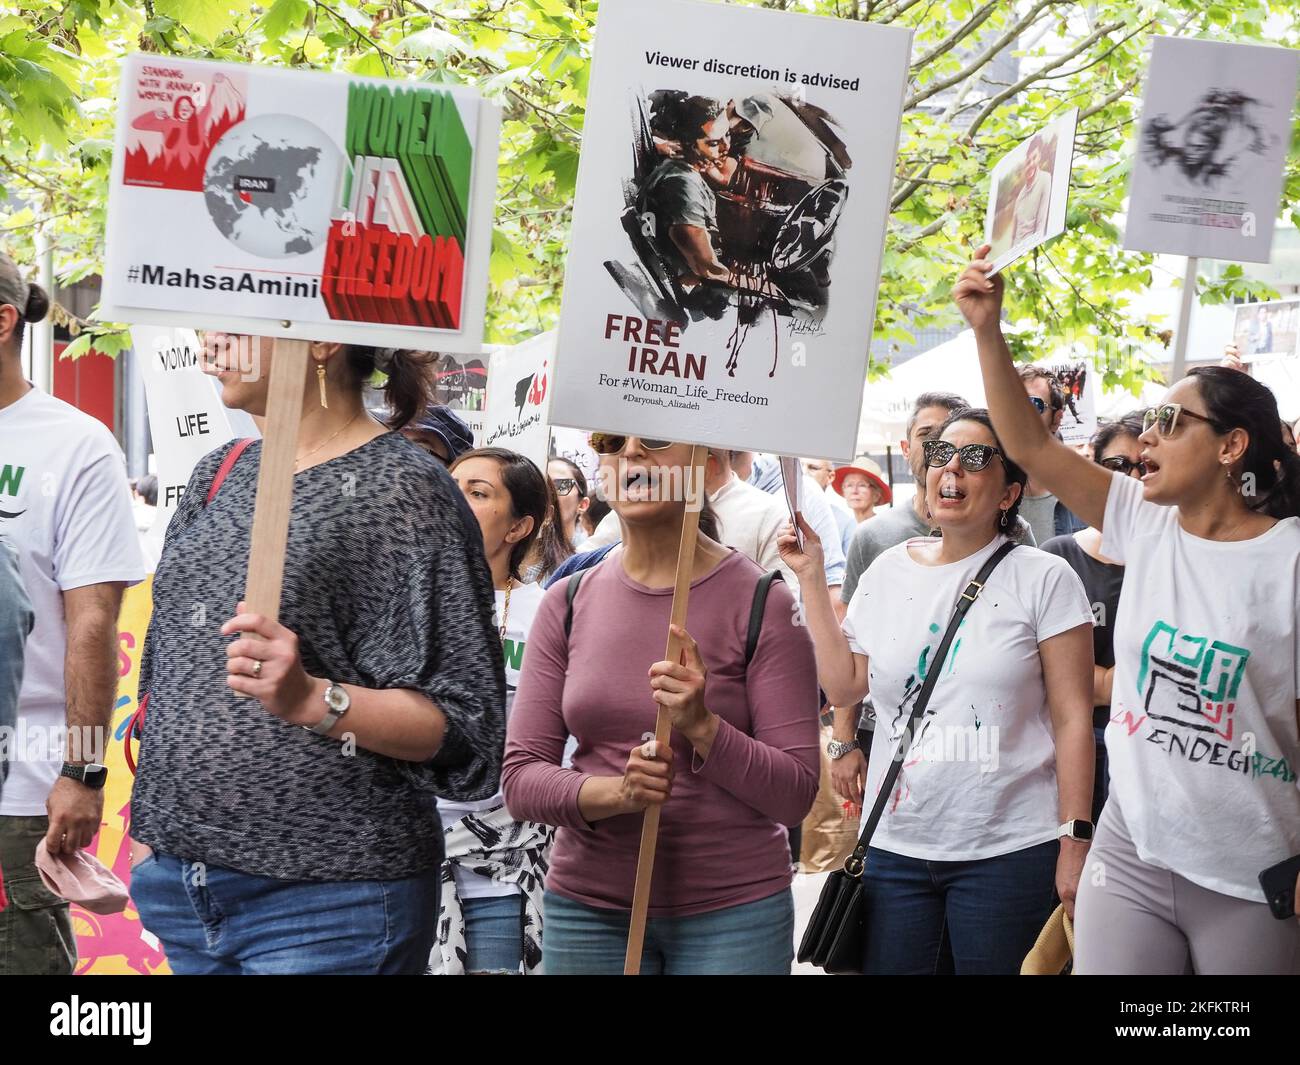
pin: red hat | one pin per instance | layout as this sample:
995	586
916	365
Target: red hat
863	465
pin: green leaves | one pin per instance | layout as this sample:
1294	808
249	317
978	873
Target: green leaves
283	16
203	20
60	61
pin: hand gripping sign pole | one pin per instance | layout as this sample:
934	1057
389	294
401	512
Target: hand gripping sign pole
645	862
275	478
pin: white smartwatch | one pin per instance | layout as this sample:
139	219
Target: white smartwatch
337	702
1078	829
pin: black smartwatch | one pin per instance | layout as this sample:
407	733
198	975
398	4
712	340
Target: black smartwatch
92	774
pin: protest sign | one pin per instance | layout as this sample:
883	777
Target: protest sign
1078	381
518	398
1212	143
730	215
721	280
117	943
460	382
1028	191
1267	330
572	444
186	416
300	204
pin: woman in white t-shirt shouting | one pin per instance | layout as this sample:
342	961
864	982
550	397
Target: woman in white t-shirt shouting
1204	734
493	873
965	860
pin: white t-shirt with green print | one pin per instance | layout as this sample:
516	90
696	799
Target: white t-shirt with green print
1202	739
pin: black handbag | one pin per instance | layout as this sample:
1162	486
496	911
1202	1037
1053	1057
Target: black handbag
835	939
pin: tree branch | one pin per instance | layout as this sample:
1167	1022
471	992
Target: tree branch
1123	90
996	101
961	33
983	58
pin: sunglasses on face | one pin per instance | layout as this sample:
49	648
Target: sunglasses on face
1039	405
1120	464
611	444
564	485
1165	418
973	457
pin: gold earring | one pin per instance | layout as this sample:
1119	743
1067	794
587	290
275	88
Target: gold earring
320	379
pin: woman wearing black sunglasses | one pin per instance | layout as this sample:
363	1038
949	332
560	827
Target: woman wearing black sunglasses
741	768
1115	447
1204	736
965	859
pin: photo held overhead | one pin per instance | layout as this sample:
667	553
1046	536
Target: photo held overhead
1028	192
729	225
300	204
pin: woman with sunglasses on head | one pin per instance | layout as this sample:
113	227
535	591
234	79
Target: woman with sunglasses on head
571	488
741	768
1115	447
1203	739
999	767
494	867
281	802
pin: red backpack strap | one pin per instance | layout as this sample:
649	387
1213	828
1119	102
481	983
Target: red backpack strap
227	464
134	728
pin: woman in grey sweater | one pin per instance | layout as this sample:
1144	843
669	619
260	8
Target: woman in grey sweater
281	797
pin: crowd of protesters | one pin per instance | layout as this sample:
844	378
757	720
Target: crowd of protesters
437	757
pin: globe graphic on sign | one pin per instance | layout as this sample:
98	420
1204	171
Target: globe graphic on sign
271	185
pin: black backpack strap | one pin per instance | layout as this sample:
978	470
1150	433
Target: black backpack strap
569	593
756	609
856	861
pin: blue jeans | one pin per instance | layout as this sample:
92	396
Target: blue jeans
971	917
215	921
753	939
494	933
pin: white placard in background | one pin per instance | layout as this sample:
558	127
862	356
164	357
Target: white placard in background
1078	380
1212	143
186	416
518	398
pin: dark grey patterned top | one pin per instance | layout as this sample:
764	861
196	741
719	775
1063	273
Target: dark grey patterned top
386	586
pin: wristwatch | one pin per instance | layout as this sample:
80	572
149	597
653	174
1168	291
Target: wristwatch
92	774
837	750
337	702
1078	829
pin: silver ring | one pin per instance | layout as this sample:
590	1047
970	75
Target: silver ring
257	667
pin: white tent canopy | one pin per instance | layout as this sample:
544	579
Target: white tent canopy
953	366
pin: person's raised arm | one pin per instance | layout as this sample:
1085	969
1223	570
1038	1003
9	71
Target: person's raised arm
1080	484
841	673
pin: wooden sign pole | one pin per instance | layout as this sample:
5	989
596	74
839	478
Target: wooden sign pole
645	862
275	478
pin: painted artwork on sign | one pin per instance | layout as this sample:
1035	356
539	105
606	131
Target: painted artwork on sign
728	227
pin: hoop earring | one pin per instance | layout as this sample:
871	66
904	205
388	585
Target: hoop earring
320	380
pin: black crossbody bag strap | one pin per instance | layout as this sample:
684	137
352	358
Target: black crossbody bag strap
856	861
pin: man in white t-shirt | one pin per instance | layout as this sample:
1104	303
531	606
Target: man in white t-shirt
749	519
66	506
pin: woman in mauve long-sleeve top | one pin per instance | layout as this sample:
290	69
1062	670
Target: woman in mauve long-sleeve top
742	765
